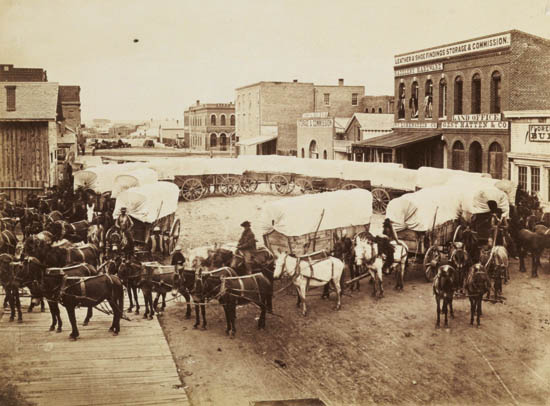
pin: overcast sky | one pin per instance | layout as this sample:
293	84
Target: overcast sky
190	50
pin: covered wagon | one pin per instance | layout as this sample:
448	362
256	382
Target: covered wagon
306	224
137	177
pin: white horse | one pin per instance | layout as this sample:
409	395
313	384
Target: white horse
305	274
367	256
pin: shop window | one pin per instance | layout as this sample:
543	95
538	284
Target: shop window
213	140
327	99
313	150
535	179
401	102
372	111
222	119
496	160
442	98
413	101
380	110
522	178
475	157
458	156
325	156
495	92
458	95
232	120
476	94
354	99
428	98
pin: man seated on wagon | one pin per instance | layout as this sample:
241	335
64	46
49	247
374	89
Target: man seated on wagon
155	244
177	258
247	245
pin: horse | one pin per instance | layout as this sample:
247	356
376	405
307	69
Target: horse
531	242
443	289
95	236
129	272
155	278
8	223
368	255
32	272
495	261
74	232
460	260
11	285
184	282
207	287
8	242
240	290
477	284
305	274
83	291
60	256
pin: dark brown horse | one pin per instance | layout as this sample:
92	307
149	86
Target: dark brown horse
60	256
477	284
8	242
533	243
184	283
443	288
129	271
11	285
85	292
241	290
155	278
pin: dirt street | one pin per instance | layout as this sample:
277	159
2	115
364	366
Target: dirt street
384	351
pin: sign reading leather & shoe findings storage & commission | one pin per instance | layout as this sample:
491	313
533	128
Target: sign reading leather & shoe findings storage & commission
539	132
462	48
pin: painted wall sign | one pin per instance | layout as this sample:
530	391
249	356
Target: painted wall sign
318	114
419	69
477	117
320	122
462	48
539	133
478	125
408	124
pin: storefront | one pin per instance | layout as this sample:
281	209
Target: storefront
529	156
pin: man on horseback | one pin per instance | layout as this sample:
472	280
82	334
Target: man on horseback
499	227
247	245
125	224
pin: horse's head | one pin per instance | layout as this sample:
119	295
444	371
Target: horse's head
446	278
478	282
365	250
281	265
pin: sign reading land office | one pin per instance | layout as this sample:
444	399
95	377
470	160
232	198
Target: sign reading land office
539	133
462	48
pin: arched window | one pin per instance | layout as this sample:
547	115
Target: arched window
476	94
379	109
413	101
372	111
401	102
213	140
213	119
232	120
458	156
442	98
495	160
476	157
458	95
303	153
222	119
367	110
223	141
495	92
428	98
313	150
325	154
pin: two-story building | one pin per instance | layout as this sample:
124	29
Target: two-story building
210	126
450	98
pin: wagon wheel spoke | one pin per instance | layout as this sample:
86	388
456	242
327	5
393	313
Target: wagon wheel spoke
280	182
380	200
304	185
192	189
229	185
430	263
248	184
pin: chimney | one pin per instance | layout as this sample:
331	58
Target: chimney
295	81
198	102
340	82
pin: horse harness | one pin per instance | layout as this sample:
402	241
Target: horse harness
242	289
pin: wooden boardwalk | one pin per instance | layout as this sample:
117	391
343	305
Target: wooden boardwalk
135	368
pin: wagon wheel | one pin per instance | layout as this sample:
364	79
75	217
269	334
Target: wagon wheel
280	183
380	200
229	185
431	260
248	185
304	185
174	235
349	186
192	189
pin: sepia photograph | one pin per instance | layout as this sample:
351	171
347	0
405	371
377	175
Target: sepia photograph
274	203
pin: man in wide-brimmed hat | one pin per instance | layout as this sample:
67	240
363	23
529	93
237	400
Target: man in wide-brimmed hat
247	245
177	258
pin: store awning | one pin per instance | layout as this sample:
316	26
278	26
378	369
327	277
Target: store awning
257	140
396	139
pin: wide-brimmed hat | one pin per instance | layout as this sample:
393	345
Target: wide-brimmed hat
245	224
123	208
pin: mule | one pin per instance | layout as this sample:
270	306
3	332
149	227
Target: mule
369	251
184	282
443	289
460	261
477	284
533	243
60	256
305	274
159	279
241	290
11	285
495	262
129	272
8	242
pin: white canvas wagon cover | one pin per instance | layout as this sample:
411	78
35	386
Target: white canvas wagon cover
101	178
302	215
429	177
416	211
475	195
137	177
148	203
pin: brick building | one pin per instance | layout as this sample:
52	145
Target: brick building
318	136
210	126
449	101
268	112
377	104
8	73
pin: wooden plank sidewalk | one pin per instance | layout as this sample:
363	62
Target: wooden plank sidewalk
134	368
